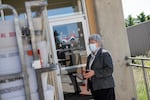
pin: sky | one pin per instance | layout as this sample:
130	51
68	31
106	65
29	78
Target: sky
135	7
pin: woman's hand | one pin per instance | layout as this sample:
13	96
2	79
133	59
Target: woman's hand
88	74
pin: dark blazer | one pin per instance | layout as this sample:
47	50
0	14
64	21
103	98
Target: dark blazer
103	68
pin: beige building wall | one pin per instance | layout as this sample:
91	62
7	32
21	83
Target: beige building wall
110	22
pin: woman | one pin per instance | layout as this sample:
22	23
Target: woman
99	70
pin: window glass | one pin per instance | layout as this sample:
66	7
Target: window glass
64	7
70	44
60	11
69	36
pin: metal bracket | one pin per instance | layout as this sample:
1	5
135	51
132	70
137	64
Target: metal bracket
39	80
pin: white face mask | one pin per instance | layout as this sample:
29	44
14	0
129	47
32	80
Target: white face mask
93	47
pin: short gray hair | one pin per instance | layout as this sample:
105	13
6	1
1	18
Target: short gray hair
96	37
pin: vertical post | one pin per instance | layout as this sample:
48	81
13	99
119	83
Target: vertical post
30	22
145	79
91	16
110	25
22	57
56	78
79	6
2	12
47	36
40	86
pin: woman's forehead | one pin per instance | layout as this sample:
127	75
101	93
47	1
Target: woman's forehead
92	41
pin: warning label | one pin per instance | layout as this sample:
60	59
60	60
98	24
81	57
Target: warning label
7	35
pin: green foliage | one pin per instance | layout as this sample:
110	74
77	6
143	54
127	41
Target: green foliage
126	23
131	20
141	91
140	85
148	17
141	17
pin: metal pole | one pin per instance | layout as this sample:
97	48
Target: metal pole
21	52
145	80
2	12
56	78
30	23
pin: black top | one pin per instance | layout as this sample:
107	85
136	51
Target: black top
103	68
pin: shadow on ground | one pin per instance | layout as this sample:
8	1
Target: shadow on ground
73	96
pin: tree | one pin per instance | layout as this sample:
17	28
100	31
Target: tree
141	17
130	21
126	22
148	17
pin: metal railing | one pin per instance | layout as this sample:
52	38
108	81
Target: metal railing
141	75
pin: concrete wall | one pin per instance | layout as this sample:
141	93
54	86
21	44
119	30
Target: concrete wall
139	38
111	25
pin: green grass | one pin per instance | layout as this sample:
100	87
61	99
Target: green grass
141	91
139	80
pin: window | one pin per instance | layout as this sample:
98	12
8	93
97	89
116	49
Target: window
63	7
69	36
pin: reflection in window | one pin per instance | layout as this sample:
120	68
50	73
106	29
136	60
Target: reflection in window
69	36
